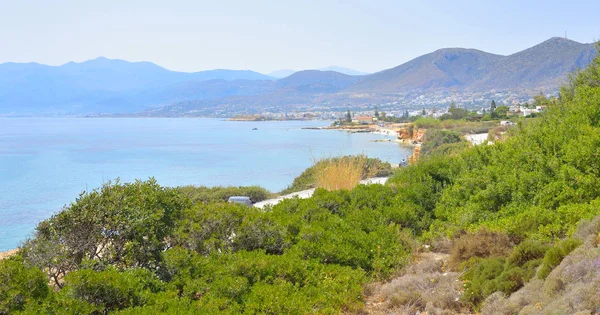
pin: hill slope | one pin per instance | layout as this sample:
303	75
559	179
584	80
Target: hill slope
444	68
545	65
542	66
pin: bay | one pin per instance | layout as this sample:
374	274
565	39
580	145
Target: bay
45	163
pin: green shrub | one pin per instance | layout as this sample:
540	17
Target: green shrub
480	280
527	251
556	254
109	289
239	282
20	285
210	228
438	139
495	275
168	303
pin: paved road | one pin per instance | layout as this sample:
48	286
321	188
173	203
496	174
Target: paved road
309	192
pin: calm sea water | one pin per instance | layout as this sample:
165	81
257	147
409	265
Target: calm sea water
46	162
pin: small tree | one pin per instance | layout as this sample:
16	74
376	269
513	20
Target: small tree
501	111
124	225
493	109
348	117
540	99
376	112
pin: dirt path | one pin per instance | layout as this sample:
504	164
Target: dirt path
423	287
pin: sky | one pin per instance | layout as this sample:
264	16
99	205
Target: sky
264	36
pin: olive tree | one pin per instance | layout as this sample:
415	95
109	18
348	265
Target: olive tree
123	225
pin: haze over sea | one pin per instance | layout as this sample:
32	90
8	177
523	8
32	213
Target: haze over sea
46	162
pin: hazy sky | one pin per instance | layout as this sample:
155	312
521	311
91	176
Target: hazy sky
194	35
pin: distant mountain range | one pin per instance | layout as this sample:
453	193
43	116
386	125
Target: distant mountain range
116	86
105	86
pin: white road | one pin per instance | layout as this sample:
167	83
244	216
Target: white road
309	192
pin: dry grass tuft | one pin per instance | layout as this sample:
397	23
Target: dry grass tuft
482	243
342	173
441	245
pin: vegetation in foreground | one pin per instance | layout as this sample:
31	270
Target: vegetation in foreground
517	219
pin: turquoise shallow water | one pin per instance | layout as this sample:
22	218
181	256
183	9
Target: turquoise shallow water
46	162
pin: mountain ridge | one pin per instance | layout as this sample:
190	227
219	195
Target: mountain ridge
107	86
472	69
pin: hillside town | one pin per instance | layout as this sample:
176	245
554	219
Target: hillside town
421	106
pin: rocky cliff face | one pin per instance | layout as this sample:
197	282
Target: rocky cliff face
415	156
411	134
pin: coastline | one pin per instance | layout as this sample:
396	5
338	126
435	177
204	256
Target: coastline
191	172
393	131
398	131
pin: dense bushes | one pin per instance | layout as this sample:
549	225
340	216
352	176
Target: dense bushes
438	139
505	273
108	290
555	255
142	248
20	285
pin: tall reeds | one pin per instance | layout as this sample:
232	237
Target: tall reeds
343	172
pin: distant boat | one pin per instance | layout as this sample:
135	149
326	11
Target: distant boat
254	128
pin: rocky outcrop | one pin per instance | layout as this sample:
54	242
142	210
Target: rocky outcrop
415	156
411	134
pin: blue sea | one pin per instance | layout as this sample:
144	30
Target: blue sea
45	163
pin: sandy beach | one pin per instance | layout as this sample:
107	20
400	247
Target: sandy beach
386	132
8	253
